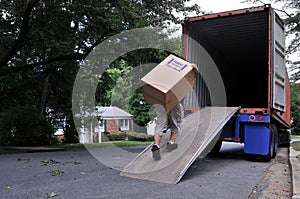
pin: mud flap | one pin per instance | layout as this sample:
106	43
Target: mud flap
257	138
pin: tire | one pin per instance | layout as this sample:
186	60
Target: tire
275	144
268	157
284	138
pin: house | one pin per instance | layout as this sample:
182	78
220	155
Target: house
110	119
115	120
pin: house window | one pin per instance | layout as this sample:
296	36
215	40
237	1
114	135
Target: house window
124	125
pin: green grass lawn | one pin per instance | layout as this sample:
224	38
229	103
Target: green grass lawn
295	136
296	146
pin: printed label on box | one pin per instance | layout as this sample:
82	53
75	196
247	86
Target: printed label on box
176	65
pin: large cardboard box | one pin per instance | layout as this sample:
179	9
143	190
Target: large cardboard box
169	82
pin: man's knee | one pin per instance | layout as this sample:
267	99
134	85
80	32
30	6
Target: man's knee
160	134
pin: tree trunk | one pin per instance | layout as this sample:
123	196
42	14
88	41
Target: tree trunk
44	95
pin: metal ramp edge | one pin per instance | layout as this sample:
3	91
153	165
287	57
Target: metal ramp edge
200	131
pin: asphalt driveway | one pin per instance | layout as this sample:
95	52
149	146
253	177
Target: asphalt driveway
78	174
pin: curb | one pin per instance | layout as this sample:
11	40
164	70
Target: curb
30	150
40	149
295	170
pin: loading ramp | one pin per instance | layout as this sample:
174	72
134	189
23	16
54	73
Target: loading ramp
200	131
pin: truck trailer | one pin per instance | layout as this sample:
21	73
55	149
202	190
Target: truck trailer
247	47
241	93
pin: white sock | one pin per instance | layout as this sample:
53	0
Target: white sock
171	142
157	145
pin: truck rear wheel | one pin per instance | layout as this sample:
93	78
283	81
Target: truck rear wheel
284	138
272	144
275	145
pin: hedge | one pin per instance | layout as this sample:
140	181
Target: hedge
142	137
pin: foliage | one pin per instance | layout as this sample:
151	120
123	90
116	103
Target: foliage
133	136
295	108
120	84
140	137
116	137
52	194
50	162
42	44
42	35
141	110
23	126
296	146
293	31
56	172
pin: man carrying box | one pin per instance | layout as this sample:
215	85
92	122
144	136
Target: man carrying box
166	94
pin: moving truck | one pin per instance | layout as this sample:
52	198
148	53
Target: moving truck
243	51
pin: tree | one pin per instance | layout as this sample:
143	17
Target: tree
43	42
295	108
291	10
23	126
38	33
120	84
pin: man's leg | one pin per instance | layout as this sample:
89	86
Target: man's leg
155	147
171	145
157	138
161	125
172	137
175	120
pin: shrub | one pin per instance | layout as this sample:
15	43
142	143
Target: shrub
116	137
139	137
56	140
149	138
106	133
24	126
133	136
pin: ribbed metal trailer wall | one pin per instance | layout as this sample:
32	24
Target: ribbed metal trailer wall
238	44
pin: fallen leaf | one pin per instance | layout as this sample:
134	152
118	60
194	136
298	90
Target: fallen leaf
49	162
56	172
52	194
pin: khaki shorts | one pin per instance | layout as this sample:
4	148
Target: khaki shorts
171	120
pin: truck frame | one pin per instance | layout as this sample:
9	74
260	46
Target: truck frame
248	48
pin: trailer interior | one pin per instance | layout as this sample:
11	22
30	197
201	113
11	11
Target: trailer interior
239	46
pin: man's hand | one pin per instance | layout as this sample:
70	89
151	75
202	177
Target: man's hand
195	68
